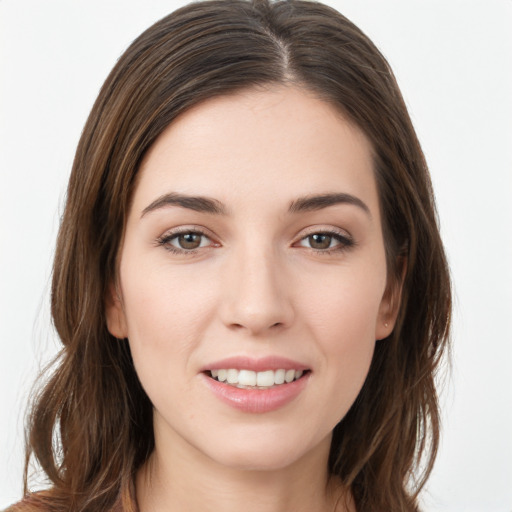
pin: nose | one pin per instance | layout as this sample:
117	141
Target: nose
257	295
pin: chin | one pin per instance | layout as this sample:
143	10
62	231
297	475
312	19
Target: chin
258	460
267	452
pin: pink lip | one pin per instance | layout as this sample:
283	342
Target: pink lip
256	400
256	365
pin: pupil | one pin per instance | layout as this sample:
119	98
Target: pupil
190	240
320	241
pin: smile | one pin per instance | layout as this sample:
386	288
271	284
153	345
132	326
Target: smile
248	379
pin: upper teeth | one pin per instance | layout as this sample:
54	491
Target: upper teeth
261	379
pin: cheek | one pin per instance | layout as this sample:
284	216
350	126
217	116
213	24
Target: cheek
345	305
348	347
342	320
161	296
166	311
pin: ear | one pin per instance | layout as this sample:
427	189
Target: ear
390	304
116	319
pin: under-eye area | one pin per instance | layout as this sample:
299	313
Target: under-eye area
248	379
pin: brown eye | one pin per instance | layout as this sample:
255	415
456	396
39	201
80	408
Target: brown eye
186	241
189	240
326	242
320	241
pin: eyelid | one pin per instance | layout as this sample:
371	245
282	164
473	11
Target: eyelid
324	229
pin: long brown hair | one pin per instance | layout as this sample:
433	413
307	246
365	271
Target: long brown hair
90	426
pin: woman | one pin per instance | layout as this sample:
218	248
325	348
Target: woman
249	282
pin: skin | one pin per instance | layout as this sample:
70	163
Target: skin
256	286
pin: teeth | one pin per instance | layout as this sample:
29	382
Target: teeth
232	377
248	378
265	378
279	376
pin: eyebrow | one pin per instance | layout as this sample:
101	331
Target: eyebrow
318	202
213	206
196	203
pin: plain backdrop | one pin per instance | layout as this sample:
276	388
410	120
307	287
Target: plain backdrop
453	61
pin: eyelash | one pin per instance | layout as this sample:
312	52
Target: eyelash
344	242
166	239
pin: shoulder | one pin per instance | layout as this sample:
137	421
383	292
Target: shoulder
23	506
47	501
36	502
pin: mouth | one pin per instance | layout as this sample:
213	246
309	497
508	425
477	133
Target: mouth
248	379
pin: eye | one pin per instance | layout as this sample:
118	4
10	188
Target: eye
189	241
184	241
326	241
318	241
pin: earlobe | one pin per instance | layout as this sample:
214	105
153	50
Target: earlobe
385	320
116	320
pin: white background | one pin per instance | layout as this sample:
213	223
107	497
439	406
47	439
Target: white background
453	61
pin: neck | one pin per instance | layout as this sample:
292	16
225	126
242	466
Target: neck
196	483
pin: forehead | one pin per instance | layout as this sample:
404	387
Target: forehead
277	143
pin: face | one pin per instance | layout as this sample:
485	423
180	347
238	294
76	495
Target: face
252	277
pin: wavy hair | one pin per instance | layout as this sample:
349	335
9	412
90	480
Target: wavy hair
90	426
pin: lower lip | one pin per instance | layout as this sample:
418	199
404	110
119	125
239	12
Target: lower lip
257	400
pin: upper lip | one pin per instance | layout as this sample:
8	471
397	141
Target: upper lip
255	364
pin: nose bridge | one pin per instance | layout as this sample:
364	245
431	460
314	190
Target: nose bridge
256	298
